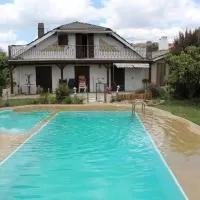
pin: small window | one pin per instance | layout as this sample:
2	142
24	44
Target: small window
62	39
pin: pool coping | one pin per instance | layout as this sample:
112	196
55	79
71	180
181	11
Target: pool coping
32	134
163	159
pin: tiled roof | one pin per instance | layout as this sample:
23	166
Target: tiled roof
82	26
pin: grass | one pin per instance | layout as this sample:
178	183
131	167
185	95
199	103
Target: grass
186	109
42	100
18	102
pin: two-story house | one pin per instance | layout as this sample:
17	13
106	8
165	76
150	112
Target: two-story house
73	50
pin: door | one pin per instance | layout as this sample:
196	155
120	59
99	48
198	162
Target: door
118	78
84	45
81	45
44	78
83	71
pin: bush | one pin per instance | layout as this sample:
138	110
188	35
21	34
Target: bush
155	91
72	100
77	100
44	98
6	104
1	90
159	92
67	100
35	101
117	98
62	92
52	99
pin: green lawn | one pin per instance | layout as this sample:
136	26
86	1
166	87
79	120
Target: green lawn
17	102
185	109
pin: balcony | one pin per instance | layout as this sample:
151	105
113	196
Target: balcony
75	52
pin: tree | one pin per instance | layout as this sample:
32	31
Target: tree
184	76
152	46
189	38
4	72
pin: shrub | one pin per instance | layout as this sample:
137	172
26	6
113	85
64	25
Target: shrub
77	100
154	89
35	101
72	100
117	98
52	99
6	104
145	82
1	90
44	98
67	100
62	92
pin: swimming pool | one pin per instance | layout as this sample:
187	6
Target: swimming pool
19	122
89	155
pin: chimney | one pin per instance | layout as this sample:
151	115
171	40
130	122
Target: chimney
163	43
40	30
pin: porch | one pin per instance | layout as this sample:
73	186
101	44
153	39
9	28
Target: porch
29	79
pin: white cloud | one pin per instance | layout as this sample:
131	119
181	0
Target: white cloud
135	20
5	38
142	35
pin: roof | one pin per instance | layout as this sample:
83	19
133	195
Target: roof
157	55
74	26
89	28
132	65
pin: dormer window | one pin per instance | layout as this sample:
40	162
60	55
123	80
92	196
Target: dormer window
63	39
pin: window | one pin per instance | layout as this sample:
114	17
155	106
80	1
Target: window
63	39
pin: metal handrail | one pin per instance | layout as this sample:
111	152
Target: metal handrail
138	101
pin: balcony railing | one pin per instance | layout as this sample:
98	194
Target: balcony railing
70	52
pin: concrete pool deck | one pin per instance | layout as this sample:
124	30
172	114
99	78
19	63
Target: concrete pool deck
177	139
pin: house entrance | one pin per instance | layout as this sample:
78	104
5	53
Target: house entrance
118	78
82	73
44	78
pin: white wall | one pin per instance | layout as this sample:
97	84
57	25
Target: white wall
121	51
21	79
56	75
68	72
134	77
97	72
153	73
37	52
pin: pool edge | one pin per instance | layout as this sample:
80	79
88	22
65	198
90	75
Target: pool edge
162	158
51	117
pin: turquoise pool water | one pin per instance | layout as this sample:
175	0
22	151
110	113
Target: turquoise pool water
88	156
16	122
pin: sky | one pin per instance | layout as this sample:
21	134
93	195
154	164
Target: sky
135	20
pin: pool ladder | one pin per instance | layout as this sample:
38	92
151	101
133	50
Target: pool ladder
138	101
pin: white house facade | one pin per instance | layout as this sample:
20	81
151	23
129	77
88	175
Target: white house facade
73	50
